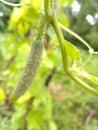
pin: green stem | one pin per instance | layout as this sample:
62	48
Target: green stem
95	52
41	27
52	5
10	4
46	9
76	36
53	21
61	42
58	32
83	84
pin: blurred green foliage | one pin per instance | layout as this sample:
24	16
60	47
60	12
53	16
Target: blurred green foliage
61	105
5	12
87	29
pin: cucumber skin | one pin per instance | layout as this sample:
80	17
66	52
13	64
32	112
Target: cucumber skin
30	70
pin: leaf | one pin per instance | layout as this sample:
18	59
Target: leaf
24	15
63	2
72	51
53	126
84	74
70	2
92	78
2	94
54	43
62	18
32	17
37	4
16	15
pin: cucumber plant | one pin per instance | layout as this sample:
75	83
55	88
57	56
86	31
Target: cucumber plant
70	55
68	50
32	63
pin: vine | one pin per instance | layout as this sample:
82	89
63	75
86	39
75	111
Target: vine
73	70
10	4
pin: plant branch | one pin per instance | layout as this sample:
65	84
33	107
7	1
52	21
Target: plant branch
52	4
61	42
47	10
83	84
95	52
91	51
76	36
10	4
41	27
58	32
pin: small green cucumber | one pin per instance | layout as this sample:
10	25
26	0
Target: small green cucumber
30	70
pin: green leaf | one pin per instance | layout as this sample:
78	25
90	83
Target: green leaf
82	73
63	2
24	15
72	51
37	4
32	17
16	16
53	126
62	18
92	78
70	2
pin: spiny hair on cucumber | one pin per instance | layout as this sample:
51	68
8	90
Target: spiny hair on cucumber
30	69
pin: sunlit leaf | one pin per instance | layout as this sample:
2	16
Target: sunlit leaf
72	51
93	79
37	4
70	2
53	126
63	2
32	17
82	73
22	28
16	15
25	97
2	94
62	18
54	43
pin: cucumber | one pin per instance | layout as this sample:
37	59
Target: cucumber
30	69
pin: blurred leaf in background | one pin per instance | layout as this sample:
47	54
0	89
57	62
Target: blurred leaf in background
83	19
60	105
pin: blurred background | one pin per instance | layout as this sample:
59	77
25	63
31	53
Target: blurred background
54	101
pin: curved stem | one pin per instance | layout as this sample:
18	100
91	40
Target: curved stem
57	29
83	84
10	4
91	51
87	60
76	36
58	32
95	52
46	9
61	42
